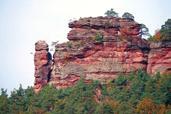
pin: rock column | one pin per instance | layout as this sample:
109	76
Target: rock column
42	62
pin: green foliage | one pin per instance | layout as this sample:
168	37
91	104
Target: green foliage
144	31
128	15
121	80
166	31
164	34
137	93
99	38
4	102
111	13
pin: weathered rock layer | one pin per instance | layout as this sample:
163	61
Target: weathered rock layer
159	58
100	48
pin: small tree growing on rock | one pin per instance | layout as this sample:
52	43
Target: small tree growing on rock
111	13
144	31
128	15
99	38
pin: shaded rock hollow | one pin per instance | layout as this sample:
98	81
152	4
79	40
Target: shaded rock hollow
99	48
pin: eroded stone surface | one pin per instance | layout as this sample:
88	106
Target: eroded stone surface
120	51
159	59
100	48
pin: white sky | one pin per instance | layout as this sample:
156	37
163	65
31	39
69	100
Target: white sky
23	22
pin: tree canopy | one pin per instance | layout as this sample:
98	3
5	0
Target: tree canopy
166	30
144	31
163	34
128	15
137	93
111	13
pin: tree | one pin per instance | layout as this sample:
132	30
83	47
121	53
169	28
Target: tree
157	36
111	13
4	107
128	15
167	25
163	34
17	100
137	93
144	31
146	106
166	31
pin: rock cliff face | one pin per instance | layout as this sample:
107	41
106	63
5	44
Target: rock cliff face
159	58
100	48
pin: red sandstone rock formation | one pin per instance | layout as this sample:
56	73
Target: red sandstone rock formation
100	48
42	62
86	28
159	59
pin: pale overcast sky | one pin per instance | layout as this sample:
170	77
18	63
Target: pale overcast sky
23	22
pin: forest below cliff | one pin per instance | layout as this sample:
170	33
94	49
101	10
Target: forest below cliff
137	93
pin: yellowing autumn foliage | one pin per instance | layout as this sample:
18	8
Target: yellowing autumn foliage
146	106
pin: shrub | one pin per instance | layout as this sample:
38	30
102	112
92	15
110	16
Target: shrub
99	38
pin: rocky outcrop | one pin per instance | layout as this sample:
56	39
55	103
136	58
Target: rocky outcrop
100	48
159	59
109	27
42	62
